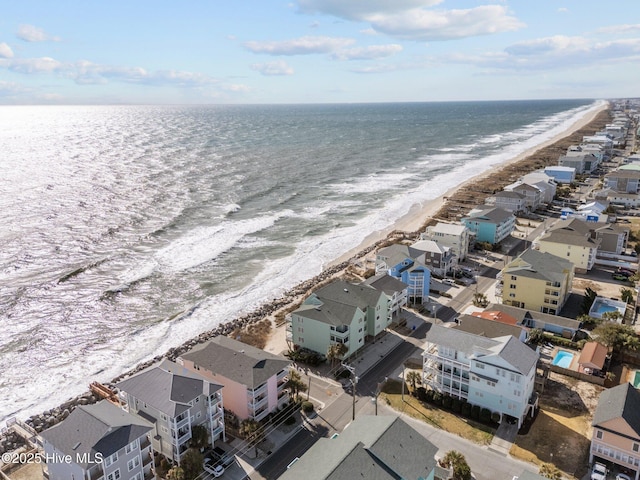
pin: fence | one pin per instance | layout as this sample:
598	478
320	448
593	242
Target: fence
580	376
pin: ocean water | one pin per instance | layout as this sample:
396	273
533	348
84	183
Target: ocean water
126	230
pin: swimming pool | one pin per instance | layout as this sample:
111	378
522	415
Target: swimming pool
562	359
636	379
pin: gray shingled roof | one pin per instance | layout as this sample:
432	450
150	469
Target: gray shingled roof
361	296
543	266
237	361
386	283
458	339
329	312
489	215
91	429
372	447
570	238
520	356
509	194
167	387
623	402
485	327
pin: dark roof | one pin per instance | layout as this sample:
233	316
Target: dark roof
386	283
486	328
237	361
372	447
361	296
522	314
539	265
102	428
168	387
623	402
489	215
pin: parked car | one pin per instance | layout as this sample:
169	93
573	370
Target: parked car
222	457
620	277
449	281
215	469
598	471
622	476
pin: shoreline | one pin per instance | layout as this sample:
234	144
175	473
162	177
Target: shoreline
419	214
415	219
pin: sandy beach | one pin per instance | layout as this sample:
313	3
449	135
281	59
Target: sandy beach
420	214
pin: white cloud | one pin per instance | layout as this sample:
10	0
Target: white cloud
279	67
299	46
5	51
554	53
446	24
415	20
33	65
367	53
360	9
617	29
30	33
563	10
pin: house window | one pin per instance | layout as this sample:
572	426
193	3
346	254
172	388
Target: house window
636	447
114	475
513	277
480	365
137	476
300	330
599	434
301	340
131	447
512	295
133	463
512	285
113	458
198	414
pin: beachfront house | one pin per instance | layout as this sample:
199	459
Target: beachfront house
493	373
377	447
604	141
532	194
437	257
253	380
544	182
625	200
572	240
556	324
408	265
561	174
339	313
101	441
174	400
513	202
452	235
613	237
397	291
490	224
616	429
625	181
591	155
536	281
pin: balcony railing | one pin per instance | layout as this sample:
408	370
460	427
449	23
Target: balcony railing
182	421
97	474
257	392
258	402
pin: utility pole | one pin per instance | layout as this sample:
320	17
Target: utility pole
354	382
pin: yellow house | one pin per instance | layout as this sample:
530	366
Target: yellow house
571	240
616	429
537	281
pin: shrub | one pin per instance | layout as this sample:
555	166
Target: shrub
290	420
475	412
485	415
466	409
421	394
456	405
447	402
428	396
307	406
495	417
437	398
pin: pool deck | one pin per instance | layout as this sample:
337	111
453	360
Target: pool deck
574	361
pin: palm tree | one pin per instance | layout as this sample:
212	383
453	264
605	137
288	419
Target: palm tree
336	351
456	461
176	473
480	300
626	294
295	384
414	378
253	432
549	470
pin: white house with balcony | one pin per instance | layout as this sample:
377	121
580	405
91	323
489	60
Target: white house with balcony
174	400
102	442
253	380
437	257
453	235
493	373
396	290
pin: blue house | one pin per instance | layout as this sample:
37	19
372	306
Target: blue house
561	174
490	224
407	264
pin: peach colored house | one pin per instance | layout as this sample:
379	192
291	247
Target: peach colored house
616	429
253	380
592	358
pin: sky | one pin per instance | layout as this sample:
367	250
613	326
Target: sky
316	51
